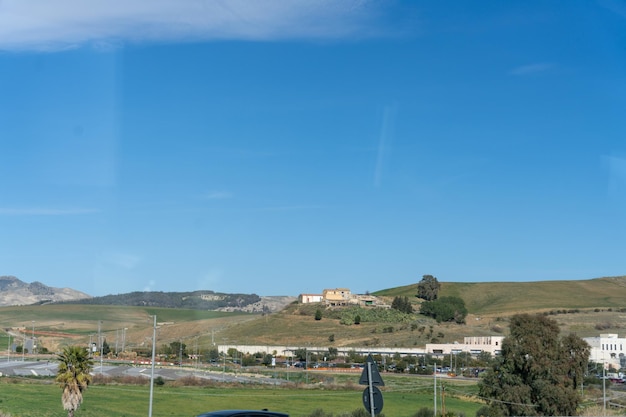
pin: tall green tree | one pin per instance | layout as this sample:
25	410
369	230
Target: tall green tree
402	304
106	349
176	348
73	376
428	288
538	372
445	309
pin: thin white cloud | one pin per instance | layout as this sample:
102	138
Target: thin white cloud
65	24
42	211
530	69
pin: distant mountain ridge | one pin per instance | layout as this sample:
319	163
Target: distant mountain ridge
13	292
198	300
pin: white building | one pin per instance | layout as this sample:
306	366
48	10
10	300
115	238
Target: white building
310	298
608	348
471	344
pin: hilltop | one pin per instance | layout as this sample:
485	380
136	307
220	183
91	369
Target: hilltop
586	307
16	292
492	298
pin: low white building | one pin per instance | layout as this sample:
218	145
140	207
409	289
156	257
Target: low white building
608	348
310	298
471	344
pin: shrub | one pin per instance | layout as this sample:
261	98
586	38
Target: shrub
424	412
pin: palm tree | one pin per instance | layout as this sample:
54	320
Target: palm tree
73	376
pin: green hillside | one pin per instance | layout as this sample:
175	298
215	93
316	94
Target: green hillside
510	297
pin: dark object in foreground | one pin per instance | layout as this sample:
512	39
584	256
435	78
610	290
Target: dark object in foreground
243	413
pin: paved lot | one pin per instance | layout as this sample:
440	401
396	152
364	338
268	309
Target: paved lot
44	368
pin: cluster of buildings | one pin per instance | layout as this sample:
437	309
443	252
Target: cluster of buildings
608	348
342	297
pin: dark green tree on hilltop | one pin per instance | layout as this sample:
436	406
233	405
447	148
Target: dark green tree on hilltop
445	309
428	288
538	373
402	304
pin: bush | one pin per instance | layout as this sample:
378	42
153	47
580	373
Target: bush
424	412
445	309
482	411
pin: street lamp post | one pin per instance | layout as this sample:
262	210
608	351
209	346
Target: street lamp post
603	385
33	337
224	354
100	341
435	388
154	327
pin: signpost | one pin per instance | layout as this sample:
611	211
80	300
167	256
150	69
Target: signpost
372	397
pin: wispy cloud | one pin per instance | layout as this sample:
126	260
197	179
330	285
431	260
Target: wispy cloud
43	211
530	69
218	195
384	143
65	24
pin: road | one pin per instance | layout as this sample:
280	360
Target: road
45	368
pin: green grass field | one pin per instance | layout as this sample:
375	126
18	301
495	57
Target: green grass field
32	399
508	297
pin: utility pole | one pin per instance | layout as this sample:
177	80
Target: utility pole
603	388
443	399
100	341
152	369
435	389
33	336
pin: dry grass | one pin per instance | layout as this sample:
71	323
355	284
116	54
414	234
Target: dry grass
586	308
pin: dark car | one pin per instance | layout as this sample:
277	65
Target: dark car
243	413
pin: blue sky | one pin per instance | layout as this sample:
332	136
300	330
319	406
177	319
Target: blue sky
281	148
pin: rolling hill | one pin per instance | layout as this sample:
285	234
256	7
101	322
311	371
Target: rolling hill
504	298
586	307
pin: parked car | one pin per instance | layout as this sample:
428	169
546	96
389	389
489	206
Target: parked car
243	413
